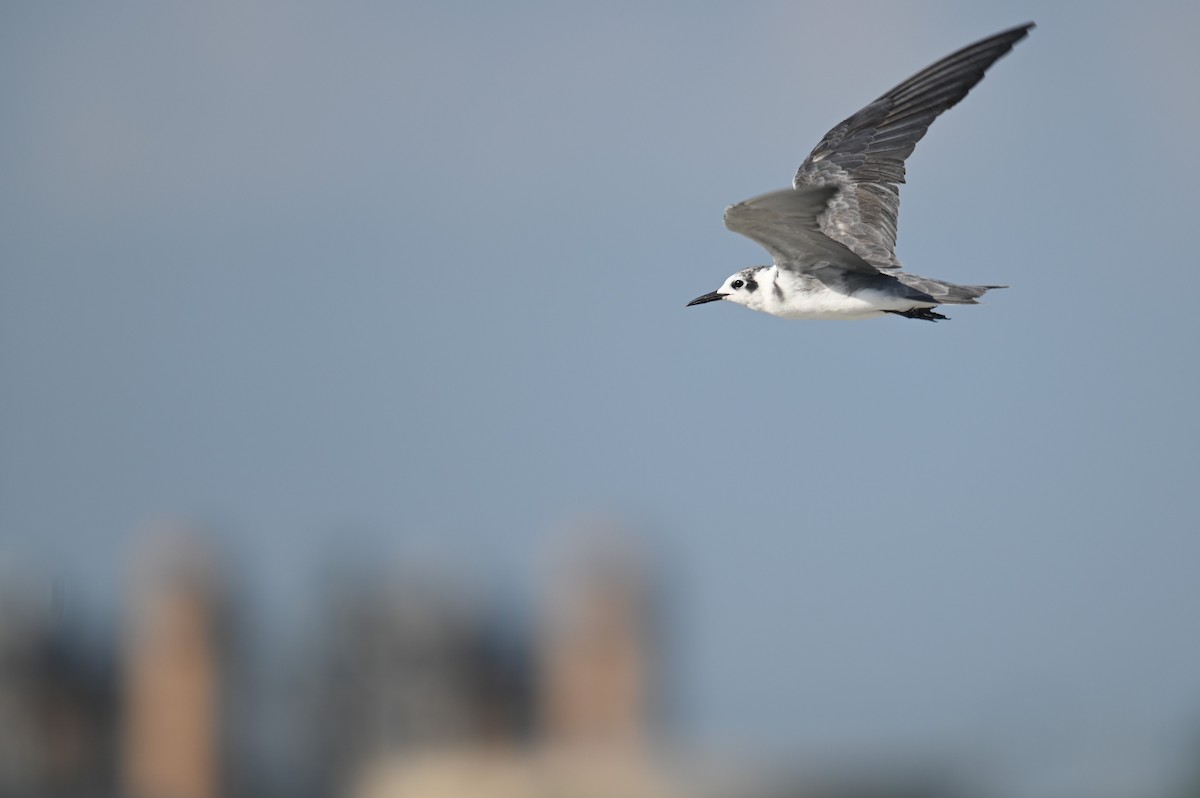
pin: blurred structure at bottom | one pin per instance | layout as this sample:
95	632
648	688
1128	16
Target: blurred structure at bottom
589	683
173	652
398	684
403	683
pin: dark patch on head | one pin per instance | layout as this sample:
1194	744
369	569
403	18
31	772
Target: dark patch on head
748	277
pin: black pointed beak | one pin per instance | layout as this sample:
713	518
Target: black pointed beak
713	297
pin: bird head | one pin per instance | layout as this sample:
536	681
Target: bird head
741	287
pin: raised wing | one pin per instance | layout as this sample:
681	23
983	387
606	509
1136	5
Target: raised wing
864	155
785	224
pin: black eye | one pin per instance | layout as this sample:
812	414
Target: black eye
736	284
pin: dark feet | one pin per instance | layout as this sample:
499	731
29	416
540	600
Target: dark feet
925	314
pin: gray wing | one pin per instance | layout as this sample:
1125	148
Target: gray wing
864	155
785	224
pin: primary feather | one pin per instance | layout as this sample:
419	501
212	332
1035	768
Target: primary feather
864	155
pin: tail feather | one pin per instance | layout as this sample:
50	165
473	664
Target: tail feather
947	293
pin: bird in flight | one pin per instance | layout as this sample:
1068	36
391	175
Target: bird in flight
833	235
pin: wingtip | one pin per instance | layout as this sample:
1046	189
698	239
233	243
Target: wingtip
1023	29
1011	35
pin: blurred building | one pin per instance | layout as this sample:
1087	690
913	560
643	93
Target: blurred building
407	684
407	666
598	652
592	666
173	650
57	706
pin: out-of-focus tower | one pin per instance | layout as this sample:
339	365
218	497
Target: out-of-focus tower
170	701
597	657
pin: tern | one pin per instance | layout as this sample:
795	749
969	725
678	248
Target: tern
832	236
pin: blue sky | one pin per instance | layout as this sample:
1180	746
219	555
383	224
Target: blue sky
412	277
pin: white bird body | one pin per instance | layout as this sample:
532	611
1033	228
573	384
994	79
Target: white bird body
832	236
793	295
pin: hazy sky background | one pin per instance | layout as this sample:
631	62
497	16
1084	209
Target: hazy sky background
412	276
